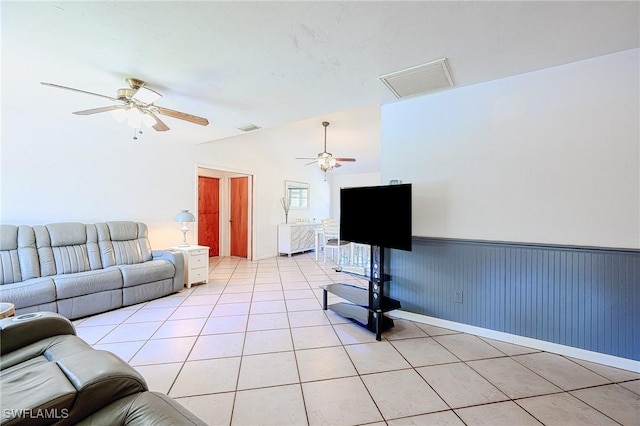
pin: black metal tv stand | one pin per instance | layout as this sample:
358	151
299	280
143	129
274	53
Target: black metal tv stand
365	306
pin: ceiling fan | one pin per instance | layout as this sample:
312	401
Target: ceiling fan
135	104
325	159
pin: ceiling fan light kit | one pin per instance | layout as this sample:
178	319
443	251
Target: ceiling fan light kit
134	117
136	107
325	159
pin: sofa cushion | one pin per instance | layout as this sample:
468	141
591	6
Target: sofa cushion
31	378
33	292
82	283
30	393
16	334
122	230
18	255
8	237
67	234
47	349
147	272
90	304
67	248
123	243
9	263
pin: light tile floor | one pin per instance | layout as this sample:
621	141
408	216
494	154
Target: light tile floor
254	347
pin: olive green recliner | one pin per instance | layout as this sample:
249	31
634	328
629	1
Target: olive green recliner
48	375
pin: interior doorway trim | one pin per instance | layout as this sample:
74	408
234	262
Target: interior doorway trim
225	174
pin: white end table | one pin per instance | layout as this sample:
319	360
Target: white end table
196	264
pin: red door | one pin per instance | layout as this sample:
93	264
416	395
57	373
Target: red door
209	214
239	199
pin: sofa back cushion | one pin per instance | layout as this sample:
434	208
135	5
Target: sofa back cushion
67	248
18	254
123	243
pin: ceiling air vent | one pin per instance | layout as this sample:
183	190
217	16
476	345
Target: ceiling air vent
419	79
249	128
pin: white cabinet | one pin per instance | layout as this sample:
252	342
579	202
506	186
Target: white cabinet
296	237
196	264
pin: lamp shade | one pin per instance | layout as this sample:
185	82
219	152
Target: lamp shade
184	216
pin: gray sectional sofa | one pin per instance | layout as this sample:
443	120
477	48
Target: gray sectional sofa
78	269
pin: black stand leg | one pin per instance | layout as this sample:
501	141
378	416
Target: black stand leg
324	299
376	288
365	306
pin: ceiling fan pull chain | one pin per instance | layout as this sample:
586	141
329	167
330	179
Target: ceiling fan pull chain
135	137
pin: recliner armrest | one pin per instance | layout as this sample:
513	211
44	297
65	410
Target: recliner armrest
142	409
177	258
23	330
174	256
100	378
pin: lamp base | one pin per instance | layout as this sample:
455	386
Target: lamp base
184	230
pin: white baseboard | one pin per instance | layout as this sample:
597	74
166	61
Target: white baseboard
600	358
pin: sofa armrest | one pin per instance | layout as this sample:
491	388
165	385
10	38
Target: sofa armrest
23	330
177	258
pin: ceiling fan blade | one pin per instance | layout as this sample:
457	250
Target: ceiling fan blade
306	158
97	110
345	159
146	96
182	116
337	165
78	90
160	126
313	162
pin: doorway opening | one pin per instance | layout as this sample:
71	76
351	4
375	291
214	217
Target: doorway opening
225	212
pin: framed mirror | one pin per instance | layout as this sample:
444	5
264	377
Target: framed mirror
296	194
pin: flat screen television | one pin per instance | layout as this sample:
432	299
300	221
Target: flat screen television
377	215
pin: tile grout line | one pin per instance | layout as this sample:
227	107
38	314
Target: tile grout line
280	268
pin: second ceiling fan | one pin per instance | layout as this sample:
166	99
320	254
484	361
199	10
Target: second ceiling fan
325	159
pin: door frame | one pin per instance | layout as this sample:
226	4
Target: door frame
224	174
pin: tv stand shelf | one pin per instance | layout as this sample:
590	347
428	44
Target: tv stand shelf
365	305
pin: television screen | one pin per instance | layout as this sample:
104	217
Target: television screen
377	215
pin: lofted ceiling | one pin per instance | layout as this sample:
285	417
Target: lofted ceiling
274	63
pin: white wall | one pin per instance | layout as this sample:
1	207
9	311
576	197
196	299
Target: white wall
53	173
551	156
58	167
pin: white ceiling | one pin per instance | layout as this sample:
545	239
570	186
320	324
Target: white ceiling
274	63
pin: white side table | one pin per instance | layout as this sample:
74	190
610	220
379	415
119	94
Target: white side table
196	264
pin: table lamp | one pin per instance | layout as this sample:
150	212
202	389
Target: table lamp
184	216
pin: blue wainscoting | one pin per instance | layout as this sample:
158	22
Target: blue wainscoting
584	297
